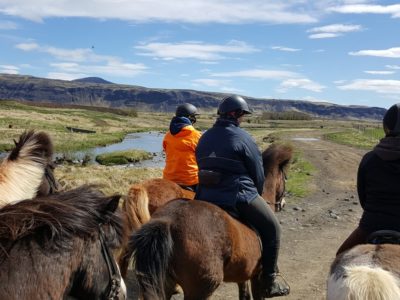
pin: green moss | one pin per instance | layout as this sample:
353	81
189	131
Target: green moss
122	157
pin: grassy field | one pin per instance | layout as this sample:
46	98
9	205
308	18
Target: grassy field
111	127
364	138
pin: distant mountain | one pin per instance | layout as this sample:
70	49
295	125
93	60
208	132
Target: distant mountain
92	80
99	92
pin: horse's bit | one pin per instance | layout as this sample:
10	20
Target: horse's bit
113	270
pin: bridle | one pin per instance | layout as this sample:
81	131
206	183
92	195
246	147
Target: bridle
281	195
53	184
113	270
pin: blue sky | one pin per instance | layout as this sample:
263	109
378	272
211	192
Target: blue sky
345	52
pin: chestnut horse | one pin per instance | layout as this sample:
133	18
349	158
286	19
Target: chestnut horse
198	245
59	247
152	193
27	171
367	271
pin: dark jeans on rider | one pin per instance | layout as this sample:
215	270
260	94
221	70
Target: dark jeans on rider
258	214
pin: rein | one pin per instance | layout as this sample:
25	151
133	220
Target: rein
113	271
281	196
53	184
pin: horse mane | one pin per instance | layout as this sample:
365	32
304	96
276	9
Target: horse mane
38	146
277	155
56	219
21	172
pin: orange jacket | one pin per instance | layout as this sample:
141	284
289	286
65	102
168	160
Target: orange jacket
180	165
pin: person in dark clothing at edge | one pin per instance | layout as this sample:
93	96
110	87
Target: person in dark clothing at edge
231	175
179	144
378	184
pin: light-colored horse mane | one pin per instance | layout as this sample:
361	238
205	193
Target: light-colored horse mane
365	272
22	171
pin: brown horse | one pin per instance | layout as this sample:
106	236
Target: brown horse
28	169
367	271
59	246
151	194
198	245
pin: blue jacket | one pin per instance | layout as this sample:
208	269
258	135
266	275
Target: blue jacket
228	149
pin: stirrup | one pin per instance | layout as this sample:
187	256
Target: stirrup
276	288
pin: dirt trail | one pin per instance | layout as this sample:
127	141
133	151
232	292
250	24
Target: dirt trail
314	227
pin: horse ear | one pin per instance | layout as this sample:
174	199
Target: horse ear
112	204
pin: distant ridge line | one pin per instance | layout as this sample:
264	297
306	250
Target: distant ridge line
88	93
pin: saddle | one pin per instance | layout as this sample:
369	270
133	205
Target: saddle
384	237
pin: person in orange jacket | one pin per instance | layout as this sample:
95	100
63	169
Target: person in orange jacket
179	144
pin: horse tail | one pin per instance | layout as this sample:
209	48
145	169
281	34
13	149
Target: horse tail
152	250
22	171
363	282
136	207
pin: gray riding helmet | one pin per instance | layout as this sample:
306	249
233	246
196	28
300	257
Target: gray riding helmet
233	103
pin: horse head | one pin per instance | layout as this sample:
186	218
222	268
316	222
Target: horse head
66	242
276	161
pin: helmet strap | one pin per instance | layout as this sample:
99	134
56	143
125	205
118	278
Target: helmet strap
192	119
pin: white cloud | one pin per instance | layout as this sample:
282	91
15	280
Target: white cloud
290	79
8	25
194	50
333	30
393	10
378	86
210	82
393	67
27	46
258	74
189	11
380	72
325	35
300	83
286	49
114	68
9	69
84	61
66	76
336	28
391	52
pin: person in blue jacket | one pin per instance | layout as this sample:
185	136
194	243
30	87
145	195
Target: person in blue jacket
231	175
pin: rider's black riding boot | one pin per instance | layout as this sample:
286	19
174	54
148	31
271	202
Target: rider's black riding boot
274	285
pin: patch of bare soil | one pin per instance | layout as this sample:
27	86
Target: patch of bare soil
315	226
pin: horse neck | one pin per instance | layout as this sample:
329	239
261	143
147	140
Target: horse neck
91	277
51	279
270	187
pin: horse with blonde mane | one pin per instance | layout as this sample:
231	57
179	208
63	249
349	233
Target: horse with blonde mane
27	171
146	197
178	245
367	271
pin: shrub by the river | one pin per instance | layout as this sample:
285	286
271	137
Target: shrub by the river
123	157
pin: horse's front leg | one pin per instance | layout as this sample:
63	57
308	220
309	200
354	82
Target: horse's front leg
244	290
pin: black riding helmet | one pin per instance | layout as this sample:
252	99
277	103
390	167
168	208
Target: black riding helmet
187	110
233	103
391	120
